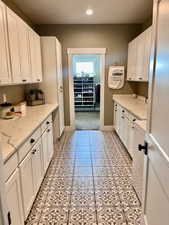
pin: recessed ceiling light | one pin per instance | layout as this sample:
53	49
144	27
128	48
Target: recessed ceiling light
89	12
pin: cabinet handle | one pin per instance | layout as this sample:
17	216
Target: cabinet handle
24	80
9	218
32	140
34	151
38	79
143	147
140	78
123	111
134	120
48	130
122	117
47	122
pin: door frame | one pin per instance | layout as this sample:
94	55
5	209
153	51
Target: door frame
89	51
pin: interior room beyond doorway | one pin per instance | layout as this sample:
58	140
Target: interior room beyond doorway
86	77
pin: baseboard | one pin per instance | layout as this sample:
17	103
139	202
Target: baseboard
107	128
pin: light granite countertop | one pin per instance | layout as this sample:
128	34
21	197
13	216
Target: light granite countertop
14	132
134	105
142	124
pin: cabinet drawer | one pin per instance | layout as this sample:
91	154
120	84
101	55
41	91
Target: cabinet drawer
25	148
10	166
46	123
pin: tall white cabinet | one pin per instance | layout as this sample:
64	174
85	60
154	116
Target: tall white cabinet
53	78
139	57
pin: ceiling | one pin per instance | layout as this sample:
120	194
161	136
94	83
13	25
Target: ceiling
73	11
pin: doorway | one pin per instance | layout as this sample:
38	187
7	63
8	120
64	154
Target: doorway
86	84
86	88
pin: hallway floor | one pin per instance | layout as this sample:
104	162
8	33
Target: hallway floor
89	182
87	120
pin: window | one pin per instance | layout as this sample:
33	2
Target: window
85	67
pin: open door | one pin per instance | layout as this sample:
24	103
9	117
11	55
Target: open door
60	88
156	194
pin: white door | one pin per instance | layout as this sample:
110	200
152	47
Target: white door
37	162
50	143
35	55
24	51
156	201
60	87
14	46
14	199
26	170
45	151
5	73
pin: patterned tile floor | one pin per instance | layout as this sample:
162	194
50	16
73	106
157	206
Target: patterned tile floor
88	182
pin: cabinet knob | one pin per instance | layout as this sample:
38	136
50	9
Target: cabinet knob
134	120
24	80
48	130
47	122
34	151
32	140
143	147
38	79
140	78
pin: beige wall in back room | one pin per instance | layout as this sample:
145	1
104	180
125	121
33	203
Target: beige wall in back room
113	37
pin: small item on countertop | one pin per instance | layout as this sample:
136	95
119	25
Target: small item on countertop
20	108
35	97
5	109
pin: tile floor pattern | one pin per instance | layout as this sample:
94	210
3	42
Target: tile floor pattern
89	182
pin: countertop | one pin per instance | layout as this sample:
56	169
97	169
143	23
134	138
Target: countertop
14	132
134	105
142	124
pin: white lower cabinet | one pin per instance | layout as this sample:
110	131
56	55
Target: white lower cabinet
31	175
131	136
47	143
26	171
14	199
124	126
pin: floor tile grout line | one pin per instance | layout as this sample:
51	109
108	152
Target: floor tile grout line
94	191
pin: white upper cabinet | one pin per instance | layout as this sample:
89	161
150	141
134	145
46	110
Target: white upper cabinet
20	55
24	50
14	45
35	53
5	74
139	57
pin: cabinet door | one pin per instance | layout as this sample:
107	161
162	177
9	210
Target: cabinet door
147	53
118	119
26	170
115	116
37	162
24	51
14	199
45	151
5	73
140	57
132	60
50	143
60	87
14	46
138	161
35	53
